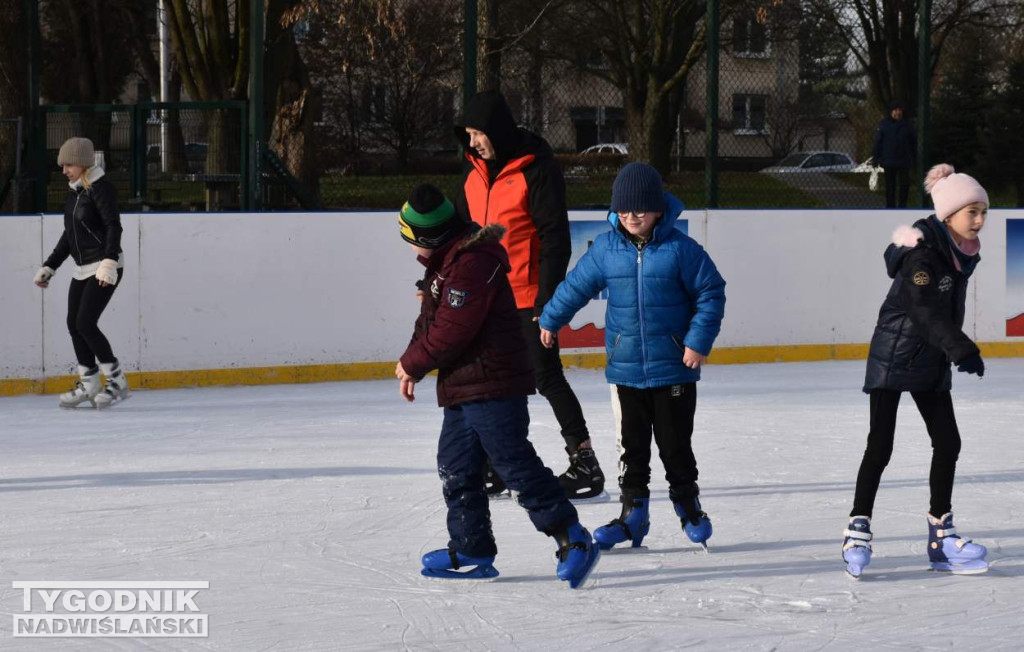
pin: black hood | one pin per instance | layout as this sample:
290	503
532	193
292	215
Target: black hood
488	112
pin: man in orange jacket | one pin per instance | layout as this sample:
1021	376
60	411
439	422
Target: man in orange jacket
511	178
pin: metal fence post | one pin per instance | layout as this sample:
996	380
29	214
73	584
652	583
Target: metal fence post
924	90
254	190
711	155
36	123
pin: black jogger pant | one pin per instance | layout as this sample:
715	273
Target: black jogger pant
86	302
552	385
668	412
937	410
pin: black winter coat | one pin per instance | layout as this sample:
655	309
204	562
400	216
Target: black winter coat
92	226
895	144
919	330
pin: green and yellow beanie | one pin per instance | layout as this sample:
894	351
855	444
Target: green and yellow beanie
428	219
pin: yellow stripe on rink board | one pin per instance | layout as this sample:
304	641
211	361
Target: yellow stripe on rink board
386	370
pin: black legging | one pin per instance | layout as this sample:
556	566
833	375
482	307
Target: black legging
86	302
553	386
937	410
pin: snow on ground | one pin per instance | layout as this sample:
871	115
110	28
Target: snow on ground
307	508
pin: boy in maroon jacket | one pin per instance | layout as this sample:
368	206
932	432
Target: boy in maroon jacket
468	330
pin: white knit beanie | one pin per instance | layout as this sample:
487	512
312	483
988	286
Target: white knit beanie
77	151
951	190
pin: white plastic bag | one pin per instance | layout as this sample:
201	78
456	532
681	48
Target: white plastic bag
873	179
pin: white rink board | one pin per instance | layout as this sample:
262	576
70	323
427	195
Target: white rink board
208	291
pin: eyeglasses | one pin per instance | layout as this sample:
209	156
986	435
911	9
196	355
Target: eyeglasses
638	214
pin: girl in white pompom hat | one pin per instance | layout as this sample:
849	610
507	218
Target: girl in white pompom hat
92	238
918	334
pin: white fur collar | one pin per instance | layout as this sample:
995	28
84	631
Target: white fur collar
906	236
93	174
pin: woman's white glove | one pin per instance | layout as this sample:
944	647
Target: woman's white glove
107	272
43	277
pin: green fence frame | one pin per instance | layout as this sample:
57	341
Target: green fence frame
138	180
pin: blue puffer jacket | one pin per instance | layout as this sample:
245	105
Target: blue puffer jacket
661	298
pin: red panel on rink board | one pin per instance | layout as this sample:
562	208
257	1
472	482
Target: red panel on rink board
587	336
1015	326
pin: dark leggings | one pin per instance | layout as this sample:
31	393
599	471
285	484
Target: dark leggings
552	385
86	302
937	410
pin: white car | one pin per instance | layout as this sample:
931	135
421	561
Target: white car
608	148
813	162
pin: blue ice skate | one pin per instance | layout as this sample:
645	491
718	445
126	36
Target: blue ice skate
445	564
857	545
633	524
695	522
577	555
949	553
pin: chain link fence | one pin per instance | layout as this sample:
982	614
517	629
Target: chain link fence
167	157
790	120
10	165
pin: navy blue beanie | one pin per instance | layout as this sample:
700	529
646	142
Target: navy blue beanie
638	188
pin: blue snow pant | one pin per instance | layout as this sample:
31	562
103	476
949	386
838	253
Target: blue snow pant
495	429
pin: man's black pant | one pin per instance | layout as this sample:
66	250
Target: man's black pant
937	410
86	302
897	179
553	386
668	413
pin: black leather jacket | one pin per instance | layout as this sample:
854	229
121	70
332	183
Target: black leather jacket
92	226
920	325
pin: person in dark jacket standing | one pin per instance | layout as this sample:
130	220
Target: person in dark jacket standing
666	301
511	178
919	332
895	150
92	237
468	330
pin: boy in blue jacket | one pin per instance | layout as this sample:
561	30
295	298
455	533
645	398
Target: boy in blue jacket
666	301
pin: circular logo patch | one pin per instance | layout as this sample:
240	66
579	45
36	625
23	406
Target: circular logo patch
922	278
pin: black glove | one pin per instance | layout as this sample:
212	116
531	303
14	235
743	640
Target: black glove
972	364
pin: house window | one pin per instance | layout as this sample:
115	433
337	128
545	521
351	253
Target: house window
748	114
749	37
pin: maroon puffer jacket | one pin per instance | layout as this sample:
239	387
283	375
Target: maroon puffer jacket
468	328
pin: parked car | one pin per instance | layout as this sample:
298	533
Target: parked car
599	159
813	162
621	149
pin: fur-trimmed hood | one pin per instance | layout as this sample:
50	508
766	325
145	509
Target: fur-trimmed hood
483	235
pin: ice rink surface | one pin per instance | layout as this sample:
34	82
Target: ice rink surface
307	508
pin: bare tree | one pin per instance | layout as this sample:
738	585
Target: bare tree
882	37
395	65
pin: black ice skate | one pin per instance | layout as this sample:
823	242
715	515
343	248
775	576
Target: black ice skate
583	481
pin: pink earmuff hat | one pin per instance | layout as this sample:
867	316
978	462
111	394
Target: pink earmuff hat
951	190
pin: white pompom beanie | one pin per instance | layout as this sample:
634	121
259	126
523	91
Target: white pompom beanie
951	190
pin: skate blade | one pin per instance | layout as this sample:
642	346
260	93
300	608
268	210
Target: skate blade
478	573
602	497
582	582
975	567
854	572
503	495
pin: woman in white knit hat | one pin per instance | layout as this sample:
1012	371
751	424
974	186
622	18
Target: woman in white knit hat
92	237
919	333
